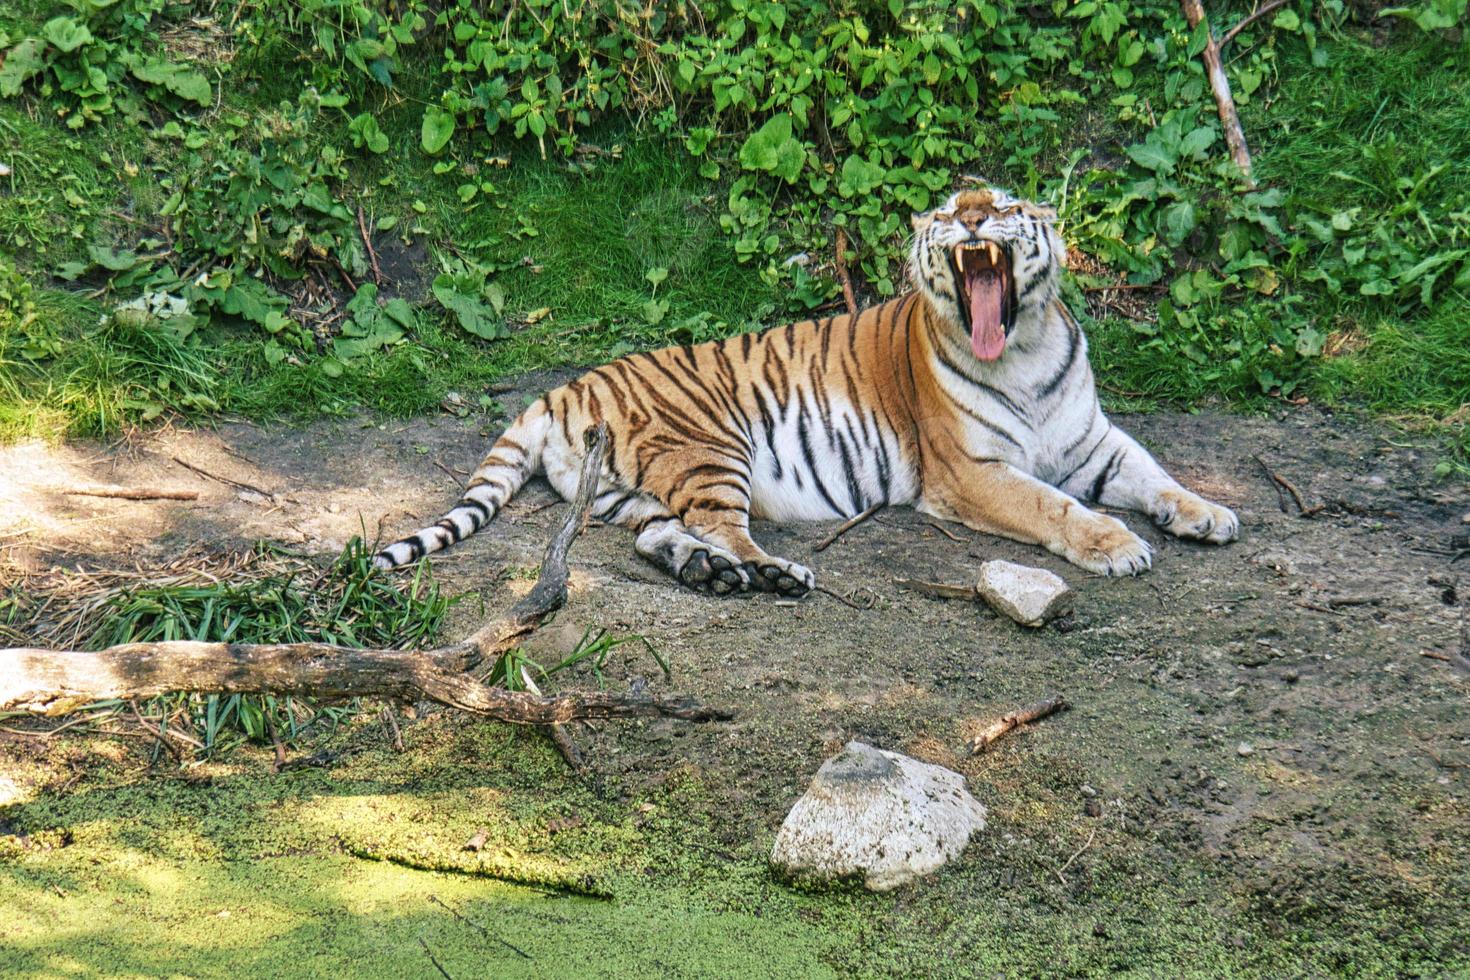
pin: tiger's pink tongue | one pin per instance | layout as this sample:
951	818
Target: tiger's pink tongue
987	334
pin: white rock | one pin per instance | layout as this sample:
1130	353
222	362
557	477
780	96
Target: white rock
1030	596
1244	749
880	814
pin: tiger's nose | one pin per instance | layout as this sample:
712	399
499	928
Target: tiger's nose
973	218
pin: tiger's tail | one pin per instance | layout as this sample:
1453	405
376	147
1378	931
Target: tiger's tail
510	463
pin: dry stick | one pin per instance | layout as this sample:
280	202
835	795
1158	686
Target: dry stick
848	525
51	682
939	590
557	733
1194	12
367	241
847	600
127	493
223	479
1009	723
1076	854
1123	287
946	532
1250	19
842	274
1284	484
450	473
391	723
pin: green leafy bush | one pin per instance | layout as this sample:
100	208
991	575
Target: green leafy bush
97	61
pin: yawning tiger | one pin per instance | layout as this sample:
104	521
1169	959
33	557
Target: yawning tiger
970	398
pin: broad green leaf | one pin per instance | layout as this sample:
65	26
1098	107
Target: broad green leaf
22	62
1152	156
469	310
110	259
184	82
774	150
437	128
1196	142
860	177
66	33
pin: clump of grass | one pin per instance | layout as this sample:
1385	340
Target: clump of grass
514	666
294	601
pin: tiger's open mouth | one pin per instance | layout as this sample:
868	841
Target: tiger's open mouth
983	270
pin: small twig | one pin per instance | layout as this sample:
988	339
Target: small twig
1009	723
1125	286
1248	20
847	600
1282	483
153	730
391	723
557	733
1338	602
1436	656
367	241
351	286
430	953
1076	854
450	473
843	276
946	532
848	525
475	925
127	493
939	590
224	479
270	727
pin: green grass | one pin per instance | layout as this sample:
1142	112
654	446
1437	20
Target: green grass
270	597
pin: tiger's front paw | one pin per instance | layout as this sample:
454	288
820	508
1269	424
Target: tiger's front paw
1105	545
1188	515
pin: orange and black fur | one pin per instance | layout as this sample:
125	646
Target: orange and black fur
970	398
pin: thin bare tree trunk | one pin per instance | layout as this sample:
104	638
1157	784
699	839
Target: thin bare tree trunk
1194	11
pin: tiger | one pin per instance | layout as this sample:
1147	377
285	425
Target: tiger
969	397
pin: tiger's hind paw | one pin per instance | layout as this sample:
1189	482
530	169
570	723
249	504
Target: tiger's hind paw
783	577
714	572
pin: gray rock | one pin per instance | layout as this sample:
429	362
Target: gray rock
880	814
1030	596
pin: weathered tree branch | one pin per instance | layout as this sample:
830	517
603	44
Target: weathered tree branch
52	682
1008	723
1194	12
1250	19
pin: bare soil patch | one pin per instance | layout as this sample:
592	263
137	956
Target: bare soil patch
1275	733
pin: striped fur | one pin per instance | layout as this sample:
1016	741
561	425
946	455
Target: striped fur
822	419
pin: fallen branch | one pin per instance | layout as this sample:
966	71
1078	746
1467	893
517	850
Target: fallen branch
1008	723
843	276
129	493
1194	12
848	525
52	682
1250	19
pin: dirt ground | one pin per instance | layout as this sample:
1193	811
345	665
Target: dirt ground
1264	772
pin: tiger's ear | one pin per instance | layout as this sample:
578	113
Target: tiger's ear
921	221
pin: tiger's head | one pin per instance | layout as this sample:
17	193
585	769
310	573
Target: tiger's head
988	263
